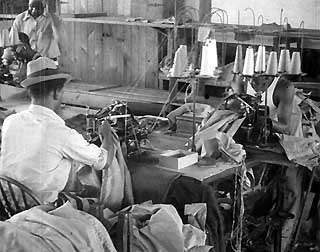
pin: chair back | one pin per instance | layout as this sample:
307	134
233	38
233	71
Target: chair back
124	239
15	197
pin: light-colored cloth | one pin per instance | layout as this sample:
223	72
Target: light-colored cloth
201	110
42	32
116	188
63	229
303	151
218	122
158	227
38	150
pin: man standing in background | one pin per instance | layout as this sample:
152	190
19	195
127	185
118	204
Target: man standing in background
40	26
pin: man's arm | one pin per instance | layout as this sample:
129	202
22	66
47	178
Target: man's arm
76	148
283	99
13	35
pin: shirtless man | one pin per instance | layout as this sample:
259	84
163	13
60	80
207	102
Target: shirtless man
281	100
286	118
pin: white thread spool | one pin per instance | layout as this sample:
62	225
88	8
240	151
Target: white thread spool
260	66
248	67
238	60
295	65
272	65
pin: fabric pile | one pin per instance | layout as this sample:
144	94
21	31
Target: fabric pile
303	151
215	136
62	229
158	227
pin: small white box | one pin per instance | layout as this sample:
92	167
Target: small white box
178	159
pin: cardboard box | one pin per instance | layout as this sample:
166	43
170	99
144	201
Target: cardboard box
177	159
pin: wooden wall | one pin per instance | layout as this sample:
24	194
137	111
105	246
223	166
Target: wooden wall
116	54
108	53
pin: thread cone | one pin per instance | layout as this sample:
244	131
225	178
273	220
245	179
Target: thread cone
248	67
295	65
209	60
238	60
284	61
260	66
272	64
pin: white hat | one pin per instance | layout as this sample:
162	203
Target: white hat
43	69
44	2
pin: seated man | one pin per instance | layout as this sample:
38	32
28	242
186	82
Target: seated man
37	148
286	118
281	100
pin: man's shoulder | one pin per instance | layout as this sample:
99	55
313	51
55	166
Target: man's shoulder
21	16
15	116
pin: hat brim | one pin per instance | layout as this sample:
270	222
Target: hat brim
35	80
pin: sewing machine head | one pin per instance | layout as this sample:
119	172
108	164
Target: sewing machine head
257	127
122	121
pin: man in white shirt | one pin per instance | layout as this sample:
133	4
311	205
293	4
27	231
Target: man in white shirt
40	26
37	147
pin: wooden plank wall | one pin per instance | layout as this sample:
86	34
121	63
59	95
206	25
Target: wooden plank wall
104	53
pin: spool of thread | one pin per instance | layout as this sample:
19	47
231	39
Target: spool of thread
180	61
295	65
260	66
248	67
284	61
272	65
238	60
209	60
213	54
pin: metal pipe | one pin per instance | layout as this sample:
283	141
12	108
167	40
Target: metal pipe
253	15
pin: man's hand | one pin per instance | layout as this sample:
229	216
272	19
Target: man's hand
107	137
105	134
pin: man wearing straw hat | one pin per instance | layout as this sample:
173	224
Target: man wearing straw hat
37	147
40	26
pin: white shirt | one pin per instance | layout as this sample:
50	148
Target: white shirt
38	149
42	32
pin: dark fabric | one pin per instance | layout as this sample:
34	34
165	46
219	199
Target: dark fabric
77	202
150	182
186	190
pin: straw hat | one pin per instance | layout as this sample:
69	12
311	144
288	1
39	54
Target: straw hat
43	69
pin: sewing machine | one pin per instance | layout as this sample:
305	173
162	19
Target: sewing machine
122	120
257	126
14	60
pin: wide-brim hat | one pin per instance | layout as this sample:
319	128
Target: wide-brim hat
41	70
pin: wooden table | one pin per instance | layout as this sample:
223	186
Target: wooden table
220	169
207	173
